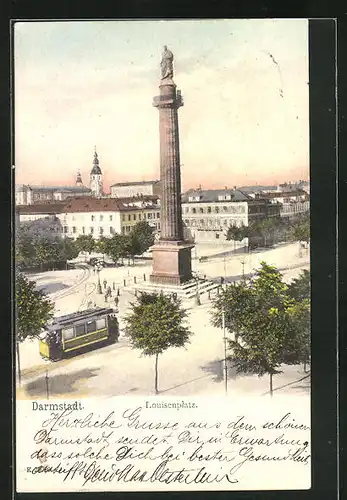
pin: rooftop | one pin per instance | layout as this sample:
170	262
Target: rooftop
72	189
135	183
212	195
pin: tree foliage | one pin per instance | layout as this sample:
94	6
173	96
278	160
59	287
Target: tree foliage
156	323
269	325
300	288
33	309
85	243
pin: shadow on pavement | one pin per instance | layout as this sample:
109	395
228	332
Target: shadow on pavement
59	385
216	368
293	385
52	288
181	385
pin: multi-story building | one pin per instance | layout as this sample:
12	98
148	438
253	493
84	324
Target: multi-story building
28	194
207	214
96	216
292	203
129	189
107	216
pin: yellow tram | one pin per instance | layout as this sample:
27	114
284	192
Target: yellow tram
73	332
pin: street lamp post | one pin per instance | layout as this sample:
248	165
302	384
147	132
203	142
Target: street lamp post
99	289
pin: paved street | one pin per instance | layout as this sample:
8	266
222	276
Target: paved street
119	370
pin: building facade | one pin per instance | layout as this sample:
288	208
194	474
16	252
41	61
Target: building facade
28	194
129	189
96	216
207	214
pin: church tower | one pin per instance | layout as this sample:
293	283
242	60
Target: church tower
96	177
79	182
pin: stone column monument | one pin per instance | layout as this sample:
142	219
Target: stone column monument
171	255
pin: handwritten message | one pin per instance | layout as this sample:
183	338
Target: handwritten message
137	444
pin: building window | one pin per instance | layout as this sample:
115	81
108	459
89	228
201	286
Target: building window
217	236
129	217
187	210
91	230
110	217
140	216
194	210
111	230
93	217
158	215
123	217
159	226
134	217
216	209
225	208
201	210
208	210
202	222
74	229
149	216
101	217
101	230
123	229
83	230
65	229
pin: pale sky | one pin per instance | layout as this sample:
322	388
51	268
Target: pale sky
245	118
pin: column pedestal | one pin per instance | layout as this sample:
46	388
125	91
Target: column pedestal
172	264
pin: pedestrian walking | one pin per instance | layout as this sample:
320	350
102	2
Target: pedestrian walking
113	286
116	301
105	283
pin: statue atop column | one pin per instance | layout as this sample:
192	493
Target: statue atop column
166	64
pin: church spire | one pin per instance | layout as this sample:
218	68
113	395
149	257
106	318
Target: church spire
79	179
96	176
96	167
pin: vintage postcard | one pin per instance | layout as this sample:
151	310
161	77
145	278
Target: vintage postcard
162	246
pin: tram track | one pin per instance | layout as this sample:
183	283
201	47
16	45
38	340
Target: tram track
73	288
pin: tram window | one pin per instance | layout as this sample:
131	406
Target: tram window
91	326
80	329
68	333
100	323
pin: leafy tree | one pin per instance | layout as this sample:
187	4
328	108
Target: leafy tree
299	320
235	233
301	230
300	288
25	251
69	249
144	234
85	243
116	247
103	245
33	311
267	323
44	252
156	323
263	228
